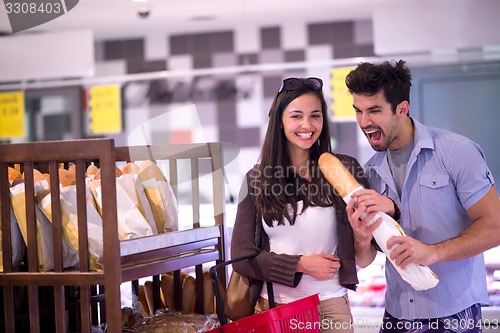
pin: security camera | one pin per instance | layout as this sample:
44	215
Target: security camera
143	12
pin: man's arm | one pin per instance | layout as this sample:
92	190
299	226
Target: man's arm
481	235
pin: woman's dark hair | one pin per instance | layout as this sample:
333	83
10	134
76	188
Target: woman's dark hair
276	186
394	79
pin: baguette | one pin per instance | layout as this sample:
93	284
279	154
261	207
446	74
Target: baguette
13	175
151	178
37	175
337	174
208	294
167	289
143	301
130	168
72	171
188	294
65	178
17	181
419	277
149	170
148	291
118	173
42	185
91	171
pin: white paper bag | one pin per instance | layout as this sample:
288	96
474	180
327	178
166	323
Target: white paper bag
131	223
133	187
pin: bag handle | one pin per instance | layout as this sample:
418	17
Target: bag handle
218	299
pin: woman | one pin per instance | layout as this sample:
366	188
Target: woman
290	217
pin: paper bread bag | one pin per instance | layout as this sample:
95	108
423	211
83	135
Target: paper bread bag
419	277
130	182
131	222
160	196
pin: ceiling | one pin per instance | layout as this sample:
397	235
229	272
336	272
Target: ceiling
114	19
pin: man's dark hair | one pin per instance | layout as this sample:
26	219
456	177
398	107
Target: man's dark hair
393	78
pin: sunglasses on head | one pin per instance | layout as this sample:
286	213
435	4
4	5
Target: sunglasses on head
293	83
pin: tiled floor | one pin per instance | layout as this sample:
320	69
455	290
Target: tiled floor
367	320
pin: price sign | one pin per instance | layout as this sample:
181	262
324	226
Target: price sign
105	109
11	114
342	99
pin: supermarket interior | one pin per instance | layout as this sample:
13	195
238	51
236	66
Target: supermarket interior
200	74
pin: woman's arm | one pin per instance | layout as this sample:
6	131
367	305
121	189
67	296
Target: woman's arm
248	238
361	209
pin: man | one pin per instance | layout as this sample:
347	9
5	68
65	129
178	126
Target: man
450	210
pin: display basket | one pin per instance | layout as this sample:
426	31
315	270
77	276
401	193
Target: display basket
298	316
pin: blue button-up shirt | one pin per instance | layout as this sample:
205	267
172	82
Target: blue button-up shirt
446	175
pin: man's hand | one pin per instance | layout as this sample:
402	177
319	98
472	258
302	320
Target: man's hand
406	250
374	202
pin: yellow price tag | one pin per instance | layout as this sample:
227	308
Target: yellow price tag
342	99
11	114
105	109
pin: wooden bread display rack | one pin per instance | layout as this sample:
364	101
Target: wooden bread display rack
125	260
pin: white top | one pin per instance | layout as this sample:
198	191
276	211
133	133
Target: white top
314	232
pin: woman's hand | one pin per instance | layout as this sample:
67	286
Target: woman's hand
360	219
320	266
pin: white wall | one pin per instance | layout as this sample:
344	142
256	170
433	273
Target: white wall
430	25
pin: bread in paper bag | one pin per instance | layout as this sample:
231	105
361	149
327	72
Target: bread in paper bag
160	196
130	182
17	243
94	224
131	168
131	222
45	252
13	175
118	173
419	277
91	172
44	218
18	201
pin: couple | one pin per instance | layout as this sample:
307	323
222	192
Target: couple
308	241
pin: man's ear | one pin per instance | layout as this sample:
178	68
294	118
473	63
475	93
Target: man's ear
403	108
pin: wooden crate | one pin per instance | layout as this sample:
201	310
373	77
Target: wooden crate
124	261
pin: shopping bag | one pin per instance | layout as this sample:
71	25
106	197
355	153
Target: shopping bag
237	303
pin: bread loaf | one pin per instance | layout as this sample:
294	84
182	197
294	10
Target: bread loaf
149	170
126	315
167	289
72	171
91	171
337	174
143	301
188	294
118	173
130	168
148	291
160	196
419	277
208	291
13	175
65	178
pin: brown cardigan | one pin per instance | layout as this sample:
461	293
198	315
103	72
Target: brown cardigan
249	238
